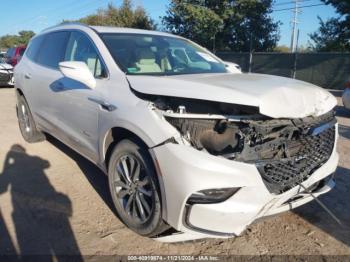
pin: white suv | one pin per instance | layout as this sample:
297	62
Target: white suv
187	145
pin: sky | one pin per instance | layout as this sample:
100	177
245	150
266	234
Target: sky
38	14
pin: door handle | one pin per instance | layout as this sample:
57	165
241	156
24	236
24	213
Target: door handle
27	76
104	105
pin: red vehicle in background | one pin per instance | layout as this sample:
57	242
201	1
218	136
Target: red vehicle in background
14	54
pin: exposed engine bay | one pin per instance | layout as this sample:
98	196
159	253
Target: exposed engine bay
285	151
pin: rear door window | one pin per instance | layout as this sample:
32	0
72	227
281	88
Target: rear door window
53	48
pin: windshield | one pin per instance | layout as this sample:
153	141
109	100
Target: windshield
139	54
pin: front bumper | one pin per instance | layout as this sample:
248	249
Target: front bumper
184	171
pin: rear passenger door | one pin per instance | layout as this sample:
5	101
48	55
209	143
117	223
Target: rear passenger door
81	110
40	77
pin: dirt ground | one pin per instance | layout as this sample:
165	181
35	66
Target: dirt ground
54	202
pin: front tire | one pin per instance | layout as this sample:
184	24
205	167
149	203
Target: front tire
26	122
134	188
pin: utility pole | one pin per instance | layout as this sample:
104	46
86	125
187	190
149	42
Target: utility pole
294	24
294	71
251	53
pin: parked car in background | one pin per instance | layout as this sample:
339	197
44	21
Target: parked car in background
2	57
6	75
14	55
346	95
187	145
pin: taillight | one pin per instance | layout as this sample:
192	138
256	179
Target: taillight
348	85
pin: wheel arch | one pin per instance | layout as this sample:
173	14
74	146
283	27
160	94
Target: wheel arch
19	92
116	134
113	137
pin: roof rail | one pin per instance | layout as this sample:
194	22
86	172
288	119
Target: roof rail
66	23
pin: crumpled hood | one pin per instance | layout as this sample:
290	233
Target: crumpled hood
276	97
4	66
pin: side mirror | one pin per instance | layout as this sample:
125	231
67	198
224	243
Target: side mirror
78	71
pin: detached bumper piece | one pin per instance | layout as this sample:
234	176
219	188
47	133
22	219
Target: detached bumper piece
316	148
5	77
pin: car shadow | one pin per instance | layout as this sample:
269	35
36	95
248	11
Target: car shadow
336	93
344	131
341	111
338	201
94	175
40	214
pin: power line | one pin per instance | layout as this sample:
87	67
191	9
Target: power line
84	8
35	17
58	10
290	2
304	6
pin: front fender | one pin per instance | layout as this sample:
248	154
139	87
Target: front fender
146	124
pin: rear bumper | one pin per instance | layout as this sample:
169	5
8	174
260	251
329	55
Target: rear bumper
185	170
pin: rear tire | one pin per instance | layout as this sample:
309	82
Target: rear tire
134	188
26	122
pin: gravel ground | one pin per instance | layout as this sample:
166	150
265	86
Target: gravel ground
53	201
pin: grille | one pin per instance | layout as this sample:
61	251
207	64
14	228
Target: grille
281	175
4	78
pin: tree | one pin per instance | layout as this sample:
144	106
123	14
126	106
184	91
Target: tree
193	21
22	38
228	24
281	49
342	7
124	16
334	34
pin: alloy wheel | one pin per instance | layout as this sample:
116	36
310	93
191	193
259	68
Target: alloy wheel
24	118
134	189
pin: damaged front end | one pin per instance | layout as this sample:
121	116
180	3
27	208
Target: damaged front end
6	74
285	151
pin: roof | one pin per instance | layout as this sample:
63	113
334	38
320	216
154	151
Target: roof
107	29
110	29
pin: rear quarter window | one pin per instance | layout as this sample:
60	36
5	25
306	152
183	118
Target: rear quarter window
34	47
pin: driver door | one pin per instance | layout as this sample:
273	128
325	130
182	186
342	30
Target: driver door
81	112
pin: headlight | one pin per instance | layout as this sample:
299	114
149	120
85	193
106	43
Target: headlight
211	196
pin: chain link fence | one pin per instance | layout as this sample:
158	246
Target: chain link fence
328	70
